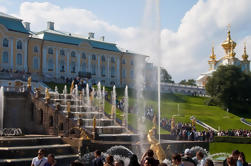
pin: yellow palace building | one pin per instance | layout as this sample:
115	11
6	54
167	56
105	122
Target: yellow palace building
54	54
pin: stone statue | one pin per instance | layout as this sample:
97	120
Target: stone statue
47	94
155	145
172	124
29	82
72	86
68	107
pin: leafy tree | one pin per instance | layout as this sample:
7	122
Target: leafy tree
188	82
230	88
165	76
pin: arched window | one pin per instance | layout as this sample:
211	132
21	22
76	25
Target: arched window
62	69
73	67
112	71
103	70
62	53
132	63
19	59
61	126
73	54
123	73
35	63
51	121
5	43
112	59
93	69
50	50
41	116
19	44
35	49
93	57
5	57
132	74
50	64
83	56
123	61
83	67
103	58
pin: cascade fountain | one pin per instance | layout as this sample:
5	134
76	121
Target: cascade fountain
103	98
1	107
65	97
114	103
99	100
87	98
126	108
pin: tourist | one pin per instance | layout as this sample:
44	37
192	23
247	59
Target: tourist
76	163
51	160
235	155
119	163
162	164
40	160
109	161
231	161
176	160
200	158
149	154
98	160
209	162
134	160
242	160
187	159
149	161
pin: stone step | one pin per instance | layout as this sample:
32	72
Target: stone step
108	129
88	115
119	137
29	141
99	122
28	151
62	160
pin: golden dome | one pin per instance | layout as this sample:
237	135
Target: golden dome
229	45
212	56
245	55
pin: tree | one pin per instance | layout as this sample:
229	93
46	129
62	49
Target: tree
165	76
230	88
191	82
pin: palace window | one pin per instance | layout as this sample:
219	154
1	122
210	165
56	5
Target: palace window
5	57
112	59
19	45
103	58
103	70
132	74
35	49
62	53
62	66
73	54
35	63
113	71
93	69
73	67
50	51
5	43
93	57
19	59
132	63
123	73
83	67
50	64
123	61
83	56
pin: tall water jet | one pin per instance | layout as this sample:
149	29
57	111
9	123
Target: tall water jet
113	113
126	108
103	98
99	100
87	97
65	97
1	107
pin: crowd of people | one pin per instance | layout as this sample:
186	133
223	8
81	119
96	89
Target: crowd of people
237	158
232	132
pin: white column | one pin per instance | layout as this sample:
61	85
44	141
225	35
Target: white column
98	66
89	63
68	62
44	60
118	71
78	62
11	54
25	55
57	68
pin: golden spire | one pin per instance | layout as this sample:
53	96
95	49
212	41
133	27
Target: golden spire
245	55
212	56
229	45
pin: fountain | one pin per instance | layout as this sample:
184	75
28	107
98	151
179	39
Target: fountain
126	108
1	107
113	113
65	97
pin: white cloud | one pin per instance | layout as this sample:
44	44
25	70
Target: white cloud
185	52
3	9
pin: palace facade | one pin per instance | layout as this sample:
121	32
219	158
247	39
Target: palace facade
54	54
228	59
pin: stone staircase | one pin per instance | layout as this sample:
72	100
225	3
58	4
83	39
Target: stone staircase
19	151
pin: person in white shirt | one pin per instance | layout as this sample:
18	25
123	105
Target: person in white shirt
40	160
200	158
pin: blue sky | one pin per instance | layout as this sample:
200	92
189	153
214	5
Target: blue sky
188	27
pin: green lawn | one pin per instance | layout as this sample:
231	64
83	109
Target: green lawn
218	147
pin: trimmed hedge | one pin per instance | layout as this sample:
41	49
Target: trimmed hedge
233	139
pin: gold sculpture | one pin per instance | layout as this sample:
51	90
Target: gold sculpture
47	94
68	107
172	124
155	145
245	55
29	82
72	86
193	122
94	122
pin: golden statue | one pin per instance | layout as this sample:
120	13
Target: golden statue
29	82
68	107
155	145
172	124
47	94
94	122
72	86
193	122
